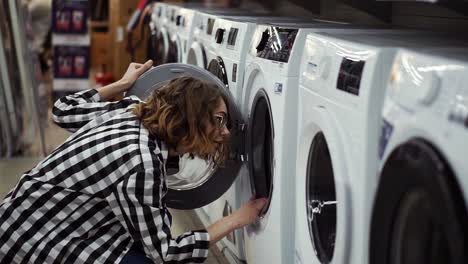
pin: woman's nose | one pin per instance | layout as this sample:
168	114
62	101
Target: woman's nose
225	131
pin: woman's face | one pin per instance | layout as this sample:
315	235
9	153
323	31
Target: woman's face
220	115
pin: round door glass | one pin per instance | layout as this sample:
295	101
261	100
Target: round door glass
173	52
321	199
152	47
261	153
217	67
191	57
160	49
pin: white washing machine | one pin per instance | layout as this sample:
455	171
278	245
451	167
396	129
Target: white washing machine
184	31
174	50
342	88
159	44
226	57
269	103
181	28
203	34
420	211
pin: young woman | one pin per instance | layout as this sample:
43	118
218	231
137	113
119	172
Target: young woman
99	197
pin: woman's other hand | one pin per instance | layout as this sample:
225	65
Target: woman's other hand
247	214
249	211
134	71
114	91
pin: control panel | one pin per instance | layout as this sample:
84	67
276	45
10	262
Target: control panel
276	43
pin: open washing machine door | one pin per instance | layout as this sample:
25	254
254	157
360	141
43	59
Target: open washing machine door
215	181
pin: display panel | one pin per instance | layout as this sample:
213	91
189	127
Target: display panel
349	77
276	44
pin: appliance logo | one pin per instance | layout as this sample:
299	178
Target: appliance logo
386	133
278	88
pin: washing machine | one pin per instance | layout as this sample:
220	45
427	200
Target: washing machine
183	32
421	204
165	44
226	56
159	38
173	45
342	88
203	34
269	103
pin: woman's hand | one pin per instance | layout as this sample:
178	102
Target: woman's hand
114	91
249	211
247	214
134	71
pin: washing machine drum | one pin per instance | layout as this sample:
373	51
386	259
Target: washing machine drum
197	182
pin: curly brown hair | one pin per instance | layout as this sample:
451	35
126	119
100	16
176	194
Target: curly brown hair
179	112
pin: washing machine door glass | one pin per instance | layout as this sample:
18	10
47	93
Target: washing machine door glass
194	182
321	199
161	47
419	203
173	53
261	152
197	55
217	67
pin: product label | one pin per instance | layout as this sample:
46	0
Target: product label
386	133
278	88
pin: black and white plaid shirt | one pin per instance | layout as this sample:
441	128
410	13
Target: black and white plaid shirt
96	195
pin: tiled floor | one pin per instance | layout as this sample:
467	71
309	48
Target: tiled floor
11	170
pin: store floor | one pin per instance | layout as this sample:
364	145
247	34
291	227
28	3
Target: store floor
11	170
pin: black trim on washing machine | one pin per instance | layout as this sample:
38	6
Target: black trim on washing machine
205	59
320	190
261	95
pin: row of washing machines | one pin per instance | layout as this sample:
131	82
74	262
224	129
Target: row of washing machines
357	136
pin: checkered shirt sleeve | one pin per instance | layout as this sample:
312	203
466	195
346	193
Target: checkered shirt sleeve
142	212
76	110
